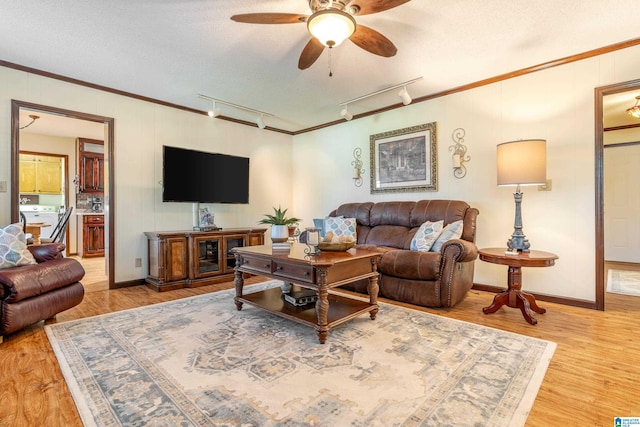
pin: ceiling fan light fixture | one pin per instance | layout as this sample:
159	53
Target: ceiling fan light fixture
635	110
331	26
404	95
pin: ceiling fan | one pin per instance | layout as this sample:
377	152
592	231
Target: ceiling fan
331	22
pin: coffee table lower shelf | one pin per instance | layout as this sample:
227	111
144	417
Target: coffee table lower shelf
341	308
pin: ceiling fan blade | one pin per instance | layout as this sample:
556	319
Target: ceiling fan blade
270	18
365	7
310	53
372	41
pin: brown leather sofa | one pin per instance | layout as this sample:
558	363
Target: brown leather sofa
30	293
430	279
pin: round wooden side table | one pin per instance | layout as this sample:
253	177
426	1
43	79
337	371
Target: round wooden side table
513	295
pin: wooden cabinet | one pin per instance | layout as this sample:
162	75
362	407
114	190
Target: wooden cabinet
195	258
92	235
40	174
91	165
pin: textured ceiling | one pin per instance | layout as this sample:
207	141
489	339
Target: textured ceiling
173	50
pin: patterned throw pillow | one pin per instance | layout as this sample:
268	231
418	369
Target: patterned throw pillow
13	247
336	227
426	236
451	231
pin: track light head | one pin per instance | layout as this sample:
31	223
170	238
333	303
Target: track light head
215	111
260	122
404	95
346	114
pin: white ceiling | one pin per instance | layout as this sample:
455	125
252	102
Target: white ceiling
173	50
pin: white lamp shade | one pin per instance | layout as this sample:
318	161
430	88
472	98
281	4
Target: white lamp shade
331	26
522	162
346	114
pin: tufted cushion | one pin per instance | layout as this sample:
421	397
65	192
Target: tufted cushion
426	236
451	231
13	247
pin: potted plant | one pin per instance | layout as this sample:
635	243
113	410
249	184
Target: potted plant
279	224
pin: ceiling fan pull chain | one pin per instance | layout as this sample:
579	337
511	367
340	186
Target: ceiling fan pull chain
330	73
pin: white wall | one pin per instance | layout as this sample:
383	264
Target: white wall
556	104
141	128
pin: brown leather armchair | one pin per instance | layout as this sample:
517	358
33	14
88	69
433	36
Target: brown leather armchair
31	293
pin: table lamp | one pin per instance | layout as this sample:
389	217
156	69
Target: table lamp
519	163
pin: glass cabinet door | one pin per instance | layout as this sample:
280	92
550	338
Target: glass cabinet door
231	242
208	256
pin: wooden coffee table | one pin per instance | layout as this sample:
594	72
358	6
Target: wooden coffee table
318	272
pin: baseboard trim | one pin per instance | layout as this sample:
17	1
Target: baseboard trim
128	284
574	302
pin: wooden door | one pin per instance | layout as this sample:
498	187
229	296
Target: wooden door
28	176
622	203
176	259
49	175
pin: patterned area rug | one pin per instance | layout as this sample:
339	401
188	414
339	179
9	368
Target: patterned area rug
623	282
198	361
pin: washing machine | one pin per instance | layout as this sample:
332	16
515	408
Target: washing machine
41	213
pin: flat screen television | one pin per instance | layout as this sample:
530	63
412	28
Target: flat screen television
198	176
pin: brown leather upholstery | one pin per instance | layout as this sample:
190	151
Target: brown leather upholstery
31	293
432	279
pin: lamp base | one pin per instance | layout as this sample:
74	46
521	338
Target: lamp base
518	243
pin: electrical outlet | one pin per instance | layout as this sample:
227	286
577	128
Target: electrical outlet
3	186
545	187
138	262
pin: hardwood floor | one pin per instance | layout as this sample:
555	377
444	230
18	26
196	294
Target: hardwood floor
95	278
593	377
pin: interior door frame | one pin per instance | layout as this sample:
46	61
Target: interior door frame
109	122
600	93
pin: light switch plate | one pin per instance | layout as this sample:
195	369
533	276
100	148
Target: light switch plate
3	186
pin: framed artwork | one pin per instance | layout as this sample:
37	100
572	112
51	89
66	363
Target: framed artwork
405	160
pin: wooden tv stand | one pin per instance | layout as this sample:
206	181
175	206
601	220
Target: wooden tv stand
179	259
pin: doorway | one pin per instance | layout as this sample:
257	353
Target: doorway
601	95
108	126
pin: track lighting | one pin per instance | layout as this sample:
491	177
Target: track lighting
346	114
215	111
404	95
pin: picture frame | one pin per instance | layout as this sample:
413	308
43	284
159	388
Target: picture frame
405	160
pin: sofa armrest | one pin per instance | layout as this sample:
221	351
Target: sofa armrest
461	250
26	281
46	252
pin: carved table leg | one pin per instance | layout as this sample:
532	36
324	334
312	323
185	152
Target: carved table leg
523	305
515	298
498	301
533	304
372	290
239	282
322	306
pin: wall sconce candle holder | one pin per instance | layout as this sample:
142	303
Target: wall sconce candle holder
459	153
357	167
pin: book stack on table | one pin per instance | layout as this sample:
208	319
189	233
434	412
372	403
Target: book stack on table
300	298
